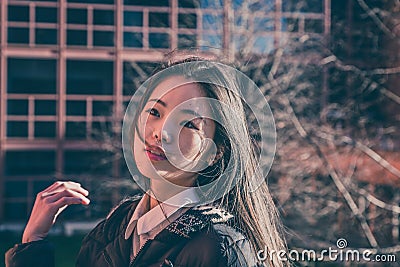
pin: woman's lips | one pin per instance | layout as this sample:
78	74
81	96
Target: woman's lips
155	154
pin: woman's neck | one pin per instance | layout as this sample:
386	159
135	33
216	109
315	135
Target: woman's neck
161	191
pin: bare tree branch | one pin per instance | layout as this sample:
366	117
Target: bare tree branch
375	18
365	74
381	161
377	202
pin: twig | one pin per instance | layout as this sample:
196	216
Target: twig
375	18
345	67
377	202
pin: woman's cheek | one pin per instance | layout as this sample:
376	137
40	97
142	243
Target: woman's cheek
189	144
142	162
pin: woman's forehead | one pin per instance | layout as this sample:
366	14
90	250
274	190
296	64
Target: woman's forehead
171	83
176	91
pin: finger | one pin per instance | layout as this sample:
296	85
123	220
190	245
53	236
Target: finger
52	187
59	211
63	203
66	201
61	184
67	193
76	187
66	186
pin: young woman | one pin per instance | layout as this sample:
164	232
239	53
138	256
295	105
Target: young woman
187	144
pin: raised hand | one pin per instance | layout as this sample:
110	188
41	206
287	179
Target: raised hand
49	204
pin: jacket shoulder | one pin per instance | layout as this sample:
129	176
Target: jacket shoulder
197	219
212	238
105	234
235	246
115	222
24	255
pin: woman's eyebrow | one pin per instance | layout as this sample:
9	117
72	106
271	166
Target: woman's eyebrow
194	113
159	101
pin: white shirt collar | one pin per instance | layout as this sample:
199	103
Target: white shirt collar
147	220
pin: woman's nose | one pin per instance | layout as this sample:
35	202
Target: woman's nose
161	135
156	135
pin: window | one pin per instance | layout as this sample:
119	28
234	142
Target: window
102	108
43	19
76	16
87	81
187	21
76	108
34	116
15	210
135	73
215	4
133	39
264	24
189	3
314	25
130	37
101	130
157	19
15	189
46	14
29	162
303	6
18	13
39	185
45	129
89	77
17	107
76	37
95	162
92	1
103	17
212	22
46	36
263	44
212	40
187	40
17	128
45	107
75	130
290	24
159	40
31	76
133	18
103	38
18	35
147	3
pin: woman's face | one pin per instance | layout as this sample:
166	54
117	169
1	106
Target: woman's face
175	132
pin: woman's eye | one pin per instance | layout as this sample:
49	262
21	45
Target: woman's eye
153	112
190	125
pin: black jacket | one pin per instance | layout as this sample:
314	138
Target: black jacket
199	237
